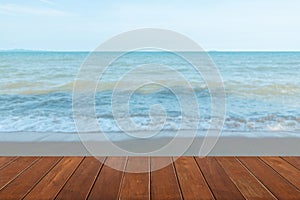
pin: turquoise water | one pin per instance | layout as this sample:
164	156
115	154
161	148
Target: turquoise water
262	91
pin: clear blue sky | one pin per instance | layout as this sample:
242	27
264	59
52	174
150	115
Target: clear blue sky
215	24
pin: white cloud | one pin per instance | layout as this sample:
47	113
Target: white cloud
29	10
47	2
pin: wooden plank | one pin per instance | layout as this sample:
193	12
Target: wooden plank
107	185
80	183
288	171
51	184
6	160
14	169
191	180
219	182
247	184
295	160
223	177
164	183
18	188
281	188
136	185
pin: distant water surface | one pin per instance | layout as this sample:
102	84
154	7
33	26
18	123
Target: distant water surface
262	89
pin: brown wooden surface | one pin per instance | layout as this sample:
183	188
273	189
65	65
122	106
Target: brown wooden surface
27	180
164	183
217	179
11	171
295	161
191	180
136	185
283	168
186	178
6	160
247	184
107	185
277	184
52	183
82	180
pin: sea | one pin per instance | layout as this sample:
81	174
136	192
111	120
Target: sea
262	92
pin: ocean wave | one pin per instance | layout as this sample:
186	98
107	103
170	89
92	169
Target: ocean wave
263	88
237	88
62	122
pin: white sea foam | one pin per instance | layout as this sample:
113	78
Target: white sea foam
36	92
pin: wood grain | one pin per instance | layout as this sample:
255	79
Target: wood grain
247	184
191	180
295	161
164	183
219	182
109	180
5	161
52	183
279	186
288	171
81	182
14	169
186	178
18	188
136	185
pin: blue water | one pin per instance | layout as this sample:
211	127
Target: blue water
262	91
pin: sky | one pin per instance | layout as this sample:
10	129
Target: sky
222	25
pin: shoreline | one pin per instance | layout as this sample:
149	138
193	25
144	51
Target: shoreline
49	136
225	146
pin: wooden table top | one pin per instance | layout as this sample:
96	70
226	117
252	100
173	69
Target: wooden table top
186	178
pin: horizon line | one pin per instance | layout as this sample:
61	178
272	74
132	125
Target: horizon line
89	51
